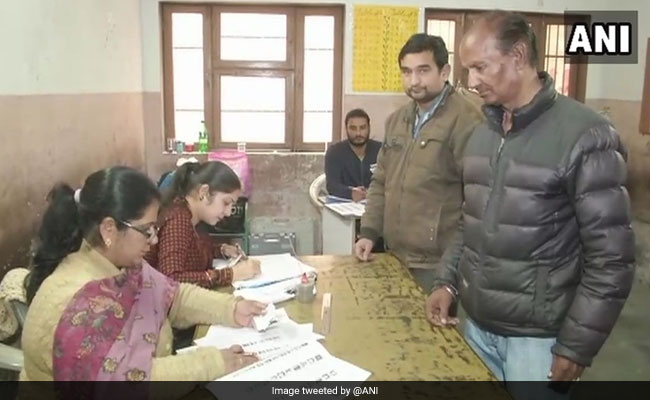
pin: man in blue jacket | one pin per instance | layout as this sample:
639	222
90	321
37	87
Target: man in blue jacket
348	163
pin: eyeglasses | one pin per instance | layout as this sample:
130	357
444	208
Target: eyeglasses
149	233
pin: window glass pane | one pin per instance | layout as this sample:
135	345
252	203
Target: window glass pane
446	29
253	109
451	70
187	30
319	80
252	127
251	37
252	93
187	125
559	75
317	127
188	79
253	25
187	65
554	61
567	75
558	69
318	95
253	49
319	32
450	37
561	29
433	26
552	40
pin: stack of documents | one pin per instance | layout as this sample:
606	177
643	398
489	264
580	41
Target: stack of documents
273	293
275	268
329	199
307	361
276	337
280	273
347	209
288	351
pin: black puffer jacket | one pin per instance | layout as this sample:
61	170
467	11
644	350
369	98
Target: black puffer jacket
546	248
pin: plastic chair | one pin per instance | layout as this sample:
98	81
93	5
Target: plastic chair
317	189
11	358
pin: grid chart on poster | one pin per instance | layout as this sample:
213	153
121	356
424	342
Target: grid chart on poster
379	34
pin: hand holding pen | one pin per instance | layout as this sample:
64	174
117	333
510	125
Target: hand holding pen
241	252
243	267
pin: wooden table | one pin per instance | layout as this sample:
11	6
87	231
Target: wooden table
378	323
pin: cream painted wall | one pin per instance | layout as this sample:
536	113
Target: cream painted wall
603	81
70	47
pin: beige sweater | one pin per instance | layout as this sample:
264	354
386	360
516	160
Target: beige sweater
11	289
192	305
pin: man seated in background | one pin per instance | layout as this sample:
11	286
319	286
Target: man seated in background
348	163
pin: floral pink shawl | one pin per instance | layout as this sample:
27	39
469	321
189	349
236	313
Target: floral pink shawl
109	330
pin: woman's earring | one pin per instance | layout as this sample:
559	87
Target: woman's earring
108	242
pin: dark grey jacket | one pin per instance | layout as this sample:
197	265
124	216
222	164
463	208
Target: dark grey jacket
545	248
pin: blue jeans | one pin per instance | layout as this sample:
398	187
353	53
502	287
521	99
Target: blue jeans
516	359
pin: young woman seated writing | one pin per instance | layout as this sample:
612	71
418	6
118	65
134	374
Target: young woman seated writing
98	312
201	192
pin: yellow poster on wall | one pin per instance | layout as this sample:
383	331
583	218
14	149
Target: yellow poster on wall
379	34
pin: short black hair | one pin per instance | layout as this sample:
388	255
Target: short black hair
357	113
421	42
511	28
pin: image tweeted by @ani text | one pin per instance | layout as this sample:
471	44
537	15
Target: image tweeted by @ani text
328	391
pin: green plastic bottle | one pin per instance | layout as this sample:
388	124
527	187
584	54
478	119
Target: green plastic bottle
203	138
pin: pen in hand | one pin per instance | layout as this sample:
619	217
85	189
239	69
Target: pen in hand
241	252
248	269
235	260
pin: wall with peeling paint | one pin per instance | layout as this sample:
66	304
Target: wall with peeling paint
70	103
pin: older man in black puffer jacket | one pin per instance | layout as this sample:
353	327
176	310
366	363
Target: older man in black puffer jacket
544	260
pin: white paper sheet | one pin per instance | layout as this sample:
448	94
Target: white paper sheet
347	209
308	361
275	268
220	263
262	322
278	335
273	293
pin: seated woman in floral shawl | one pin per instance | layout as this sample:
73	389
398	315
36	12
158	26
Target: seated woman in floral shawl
98	311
